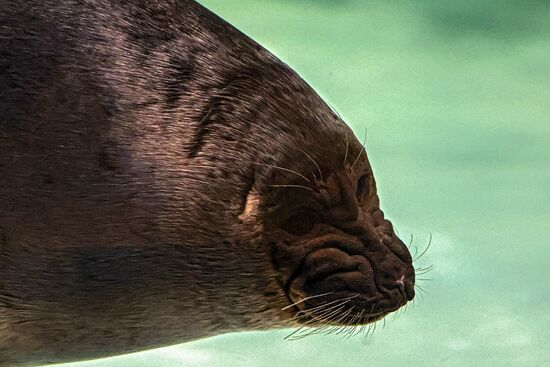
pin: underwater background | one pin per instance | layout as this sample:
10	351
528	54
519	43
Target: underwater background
455	100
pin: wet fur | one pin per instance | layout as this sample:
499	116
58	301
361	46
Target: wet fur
136	140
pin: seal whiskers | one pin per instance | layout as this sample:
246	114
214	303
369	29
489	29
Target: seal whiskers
422	270
361	150
347	148
322	320
326	318
315	163
426	270
314	322
305	299
286	170
325	313
323	307
416	258
294	186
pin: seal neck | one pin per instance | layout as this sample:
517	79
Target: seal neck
137	297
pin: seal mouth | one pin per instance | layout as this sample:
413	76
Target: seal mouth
340	282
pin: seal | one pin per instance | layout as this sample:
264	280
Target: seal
164	178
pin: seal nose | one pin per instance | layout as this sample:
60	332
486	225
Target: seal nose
406	290
401	282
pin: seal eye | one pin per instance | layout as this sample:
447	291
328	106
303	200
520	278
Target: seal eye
300	223
362	188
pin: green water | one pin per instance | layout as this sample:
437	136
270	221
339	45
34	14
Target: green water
455	96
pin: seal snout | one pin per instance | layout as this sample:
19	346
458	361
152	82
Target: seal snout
333	270
369	278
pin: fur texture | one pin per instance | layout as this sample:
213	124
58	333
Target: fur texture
141	147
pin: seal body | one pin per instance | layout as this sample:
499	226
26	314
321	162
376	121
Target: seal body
163	178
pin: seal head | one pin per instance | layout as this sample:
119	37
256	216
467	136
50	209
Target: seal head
337	258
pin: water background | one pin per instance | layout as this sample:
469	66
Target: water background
455	98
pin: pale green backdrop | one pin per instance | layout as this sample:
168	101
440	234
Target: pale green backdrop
455	96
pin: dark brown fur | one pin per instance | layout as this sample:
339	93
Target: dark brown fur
144	199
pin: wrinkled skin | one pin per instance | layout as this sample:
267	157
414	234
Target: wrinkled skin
164	178
332	243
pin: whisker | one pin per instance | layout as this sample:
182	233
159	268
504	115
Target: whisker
411	246
350	326
325	329
367	333
313	331
336	113
286	170
351	332
310	325
370	330
358	156
341	320
347	148
362	149
335	317
321	317
417	274
346	322
296	186
374	328
357	329
313	326
290	336
353	328
327	314
328	317
356	317
421	290
422	271
346	299
315	163
416	258
316	320
426	268
365	329
334	328
306	299
397	314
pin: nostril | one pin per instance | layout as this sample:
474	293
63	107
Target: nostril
401	286
406	288
401	282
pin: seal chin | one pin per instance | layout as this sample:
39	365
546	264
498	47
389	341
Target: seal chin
341	282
